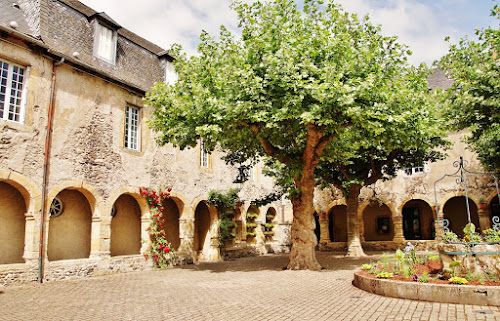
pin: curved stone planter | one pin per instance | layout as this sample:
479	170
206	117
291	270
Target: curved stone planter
459	294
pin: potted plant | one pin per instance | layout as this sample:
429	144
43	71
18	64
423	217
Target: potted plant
375	201
483	203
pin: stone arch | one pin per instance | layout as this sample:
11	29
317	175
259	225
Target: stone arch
88	191
125	226
268	227
69	235
455	211
173	208
13	207
494	208
337	223
418	220
202	237
251	223
132	192
378	222
28	189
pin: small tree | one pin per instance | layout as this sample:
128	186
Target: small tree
286	89
474	98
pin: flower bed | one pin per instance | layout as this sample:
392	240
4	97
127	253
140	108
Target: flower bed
470	265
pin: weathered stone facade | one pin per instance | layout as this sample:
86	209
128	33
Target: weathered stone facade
93	172
90	169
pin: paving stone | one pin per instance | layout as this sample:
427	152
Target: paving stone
253	288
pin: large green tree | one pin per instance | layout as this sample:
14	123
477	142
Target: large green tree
405	132
286	88
474	98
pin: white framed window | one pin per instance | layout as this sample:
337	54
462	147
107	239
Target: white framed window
204	155
251	173
12	91
414	170
132	128
105	43
170	74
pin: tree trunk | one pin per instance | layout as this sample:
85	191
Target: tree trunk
304	241
354	248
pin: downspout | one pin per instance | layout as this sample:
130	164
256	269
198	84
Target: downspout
46	158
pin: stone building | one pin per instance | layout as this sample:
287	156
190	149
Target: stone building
407	211
75	146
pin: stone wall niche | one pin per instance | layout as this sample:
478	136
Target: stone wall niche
70	232
126	227
12	224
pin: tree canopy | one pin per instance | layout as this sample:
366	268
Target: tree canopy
474	98
287	88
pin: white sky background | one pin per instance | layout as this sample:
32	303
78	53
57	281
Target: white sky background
420	24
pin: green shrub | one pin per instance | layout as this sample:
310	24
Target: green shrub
366	266
457	280
385	275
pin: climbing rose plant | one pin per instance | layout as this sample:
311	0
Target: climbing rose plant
159	249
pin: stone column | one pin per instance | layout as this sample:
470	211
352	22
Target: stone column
397	222
31	239
95	238
438	228
484	217
145	220
323	226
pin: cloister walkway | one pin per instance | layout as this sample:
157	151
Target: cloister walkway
245	289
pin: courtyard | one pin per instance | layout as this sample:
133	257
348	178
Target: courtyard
254	288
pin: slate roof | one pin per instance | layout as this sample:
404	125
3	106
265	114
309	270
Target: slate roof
67	26
438	79
11	12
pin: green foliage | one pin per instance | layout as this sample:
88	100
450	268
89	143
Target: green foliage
366	266
491	235
450	237
385	275
434	258
457	280
423	278
225	204
473	100
474	277
252	216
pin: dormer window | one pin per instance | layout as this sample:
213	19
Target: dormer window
170	74
105	38
105	43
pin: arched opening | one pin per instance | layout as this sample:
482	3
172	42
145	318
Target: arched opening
455	211
201	227
494	208
12	224
317	228
378	225
252	215
418	221
70	228
269	225
125	227
337	223
171	215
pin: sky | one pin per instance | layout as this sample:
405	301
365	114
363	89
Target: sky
420	24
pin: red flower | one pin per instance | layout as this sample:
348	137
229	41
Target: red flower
169	189
166	250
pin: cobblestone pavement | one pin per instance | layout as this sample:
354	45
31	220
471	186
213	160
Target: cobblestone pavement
244	289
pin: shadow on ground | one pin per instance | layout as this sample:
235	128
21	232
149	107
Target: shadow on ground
330	261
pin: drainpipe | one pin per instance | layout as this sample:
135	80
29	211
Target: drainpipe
46	158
